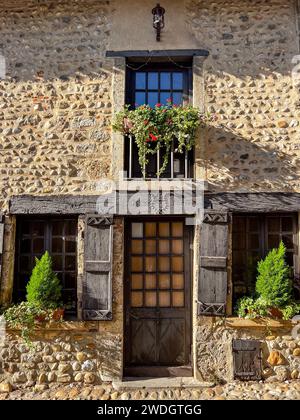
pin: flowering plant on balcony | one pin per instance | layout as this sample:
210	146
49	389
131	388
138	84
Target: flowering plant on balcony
155	129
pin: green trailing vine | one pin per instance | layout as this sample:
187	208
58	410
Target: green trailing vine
156	128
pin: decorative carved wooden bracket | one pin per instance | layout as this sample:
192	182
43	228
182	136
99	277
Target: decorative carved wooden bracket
98	221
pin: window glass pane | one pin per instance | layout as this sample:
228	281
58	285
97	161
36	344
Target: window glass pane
70	262
37	229
177	263
164	299
177	98
178	299
150	298
177	246
164	281
70	227
164	246
38	245
25	263
136	299
150	229
165	81
152	98
177	229
140	80
136	263
57	262
290	258
150	281
70	280
150	264
164	263
137	246
288	241
177	80
58	228
70	245
137	230
253	224
253	241
25	246
165	97
152	80
273	241
140	98
287	224
239	257
137	281
178	281
150	246
273	224
164	229
239	224
57	244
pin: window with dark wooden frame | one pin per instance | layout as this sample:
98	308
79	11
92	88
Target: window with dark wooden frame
59	237
150	85
253	236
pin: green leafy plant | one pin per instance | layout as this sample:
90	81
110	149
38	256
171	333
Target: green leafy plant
24	316
273	282
290	310
44	288
156	128
249	307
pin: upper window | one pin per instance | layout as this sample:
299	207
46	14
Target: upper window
59	237
253	237
148	86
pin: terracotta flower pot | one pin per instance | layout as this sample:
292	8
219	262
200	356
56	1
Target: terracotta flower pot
40	318
275	312
58	314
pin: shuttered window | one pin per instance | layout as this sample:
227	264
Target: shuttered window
253	236
59	237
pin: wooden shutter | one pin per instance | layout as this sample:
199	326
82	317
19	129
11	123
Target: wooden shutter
97	281
1	242
247	359
212	284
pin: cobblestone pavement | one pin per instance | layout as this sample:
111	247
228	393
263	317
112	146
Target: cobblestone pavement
232	391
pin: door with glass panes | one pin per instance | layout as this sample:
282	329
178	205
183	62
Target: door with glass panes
157	298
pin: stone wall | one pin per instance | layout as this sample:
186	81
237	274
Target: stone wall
55	102
58	356
254	144
280	349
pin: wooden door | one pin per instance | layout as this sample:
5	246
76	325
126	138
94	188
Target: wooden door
157	299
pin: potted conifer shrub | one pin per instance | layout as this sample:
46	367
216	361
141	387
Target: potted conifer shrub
274	295
44	288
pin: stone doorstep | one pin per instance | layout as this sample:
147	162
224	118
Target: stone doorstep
149	383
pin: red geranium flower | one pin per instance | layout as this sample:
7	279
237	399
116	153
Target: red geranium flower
152	137
158	104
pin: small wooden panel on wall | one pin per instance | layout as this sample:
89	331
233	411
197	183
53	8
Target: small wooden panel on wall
247	359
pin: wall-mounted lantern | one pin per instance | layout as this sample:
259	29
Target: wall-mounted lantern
158	20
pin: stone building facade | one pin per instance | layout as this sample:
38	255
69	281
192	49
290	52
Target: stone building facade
67	70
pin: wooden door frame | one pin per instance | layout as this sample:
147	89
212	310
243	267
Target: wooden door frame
162	371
